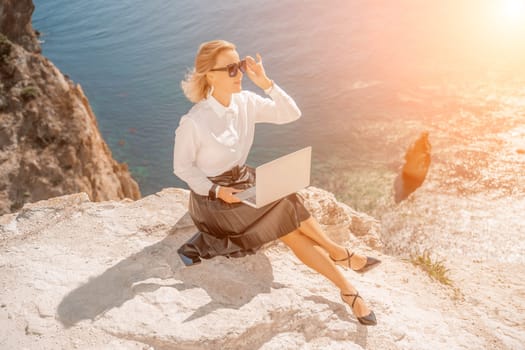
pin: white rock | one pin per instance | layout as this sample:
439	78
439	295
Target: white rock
107	289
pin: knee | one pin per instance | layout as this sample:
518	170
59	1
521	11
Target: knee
290	237
308	220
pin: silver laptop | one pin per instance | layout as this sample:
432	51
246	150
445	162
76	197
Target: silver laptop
279	178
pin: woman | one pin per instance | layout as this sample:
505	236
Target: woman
212	143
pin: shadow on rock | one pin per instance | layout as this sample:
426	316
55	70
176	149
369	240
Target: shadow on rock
340	310
229	282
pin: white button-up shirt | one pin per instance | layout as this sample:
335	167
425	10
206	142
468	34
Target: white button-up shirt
212	139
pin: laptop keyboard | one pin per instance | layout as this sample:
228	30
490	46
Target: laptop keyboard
248	195
250	199
250	191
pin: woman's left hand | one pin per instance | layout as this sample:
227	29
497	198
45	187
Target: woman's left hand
256	73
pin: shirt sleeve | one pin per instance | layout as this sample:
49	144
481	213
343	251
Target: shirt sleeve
184	153
280	109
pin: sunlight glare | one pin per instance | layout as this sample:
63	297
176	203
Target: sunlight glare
514	10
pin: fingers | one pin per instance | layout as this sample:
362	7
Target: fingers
229	196
234	199
250	61
232	189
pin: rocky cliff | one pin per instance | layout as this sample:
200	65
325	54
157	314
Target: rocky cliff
49	139
15	23
76	274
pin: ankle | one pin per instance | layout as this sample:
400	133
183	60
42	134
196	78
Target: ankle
347	292
339	253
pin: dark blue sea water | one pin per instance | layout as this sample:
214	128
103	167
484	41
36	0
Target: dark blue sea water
369	76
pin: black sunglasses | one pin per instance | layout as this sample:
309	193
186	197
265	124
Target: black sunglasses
233	68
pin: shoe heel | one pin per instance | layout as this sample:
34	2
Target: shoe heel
367	320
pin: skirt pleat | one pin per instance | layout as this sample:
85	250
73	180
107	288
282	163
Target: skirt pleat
237	229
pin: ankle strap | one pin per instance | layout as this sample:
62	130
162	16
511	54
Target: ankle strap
356	295
348	256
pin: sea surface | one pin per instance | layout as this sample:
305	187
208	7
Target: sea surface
368	76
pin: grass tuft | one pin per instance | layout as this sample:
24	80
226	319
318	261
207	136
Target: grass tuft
29	92
435	269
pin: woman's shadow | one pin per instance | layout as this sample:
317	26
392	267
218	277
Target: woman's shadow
229	282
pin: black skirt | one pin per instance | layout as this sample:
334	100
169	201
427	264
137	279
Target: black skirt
237	229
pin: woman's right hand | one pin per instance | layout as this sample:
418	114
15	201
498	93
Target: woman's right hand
227	194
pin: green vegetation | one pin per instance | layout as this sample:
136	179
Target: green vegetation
435	269
5	48
29	92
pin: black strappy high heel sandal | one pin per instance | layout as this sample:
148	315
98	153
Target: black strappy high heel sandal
368	320
370	262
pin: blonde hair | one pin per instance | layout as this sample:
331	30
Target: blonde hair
195	85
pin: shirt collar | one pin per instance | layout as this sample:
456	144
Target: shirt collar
219	109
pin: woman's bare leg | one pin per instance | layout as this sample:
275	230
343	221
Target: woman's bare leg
314	256
311	228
